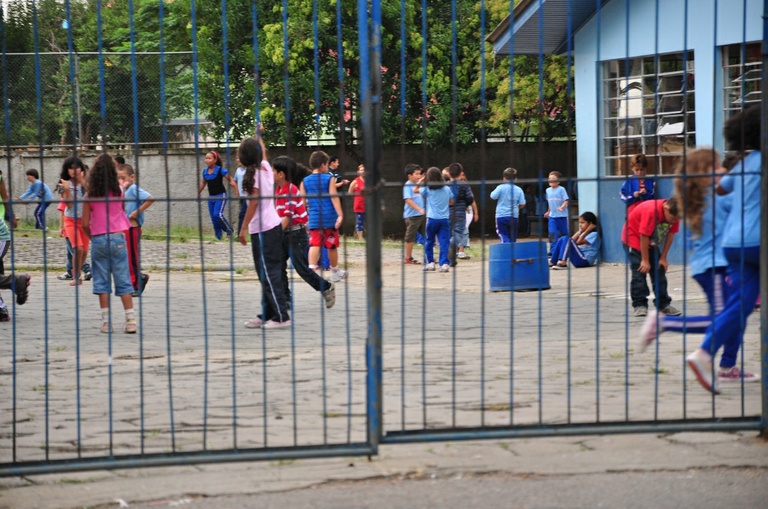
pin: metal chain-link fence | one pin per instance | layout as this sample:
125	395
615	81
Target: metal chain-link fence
54	100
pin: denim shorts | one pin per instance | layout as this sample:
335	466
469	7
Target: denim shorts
109	256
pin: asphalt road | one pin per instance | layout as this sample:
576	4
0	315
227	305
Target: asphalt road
699	488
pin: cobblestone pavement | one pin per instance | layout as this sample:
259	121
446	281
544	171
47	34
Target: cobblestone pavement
455	354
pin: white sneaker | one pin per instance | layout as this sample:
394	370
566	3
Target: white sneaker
430	267
330	296
700	363
461	255
339	275
652	327
445	267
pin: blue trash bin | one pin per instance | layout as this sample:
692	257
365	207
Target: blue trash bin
519	266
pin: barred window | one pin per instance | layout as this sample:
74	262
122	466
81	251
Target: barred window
742	69
648	108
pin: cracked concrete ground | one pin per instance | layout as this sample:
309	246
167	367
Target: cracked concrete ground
454	354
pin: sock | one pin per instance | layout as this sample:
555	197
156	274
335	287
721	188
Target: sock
105	315
130	316
335	268
313	267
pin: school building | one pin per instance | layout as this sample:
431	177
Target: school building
650	76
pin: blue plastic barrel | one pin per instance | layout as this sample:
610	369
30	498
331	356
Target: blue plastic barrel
519	266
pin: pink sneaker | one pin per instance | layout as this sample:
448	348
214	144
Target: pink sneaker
652	327
700	363
255	323
734	374
272	324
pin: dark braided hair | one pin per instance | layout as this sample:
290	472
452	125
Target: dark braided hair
250	157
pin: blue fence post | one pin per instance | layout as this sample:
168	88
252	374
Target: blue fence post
369	33
764	232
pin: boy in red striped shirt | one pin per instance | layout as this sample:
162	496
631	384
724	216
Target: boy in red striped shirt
290	207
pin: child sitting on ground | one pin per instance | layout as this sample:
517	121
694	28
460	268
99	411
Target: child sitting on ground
582	248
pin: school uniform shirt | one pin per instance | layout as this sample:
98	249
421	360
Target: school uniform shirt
743	184
288	203
215	180
462	198
265	218
555	197
77	193
135	198
38	189
509	198
591	249
706	249
408	192
438	201
648	219
635	184
239	174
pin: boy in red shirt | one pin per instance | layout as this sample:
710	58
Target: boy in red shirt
290	207
648	235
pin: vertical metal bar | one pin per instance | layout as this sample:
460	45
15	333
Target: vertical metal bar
370	93
482	210
598	116
764	229
403	308
483	159
286	81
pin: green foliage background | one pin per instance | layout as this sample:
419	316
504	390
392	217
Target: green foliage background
442	104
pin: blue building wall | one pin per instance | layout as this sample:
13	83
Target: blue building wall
616	33
612	213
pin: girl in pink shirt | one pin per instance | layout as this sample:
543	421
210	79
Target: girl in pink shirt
264	226
105	222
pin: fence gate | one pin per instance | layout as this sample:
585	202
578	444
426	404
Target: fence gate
406	354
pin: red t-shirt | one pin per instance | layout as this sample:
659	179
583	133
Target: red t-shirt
358	204
288	203
648	219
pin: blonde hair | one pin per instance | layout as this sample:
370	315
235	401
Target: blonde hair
696	169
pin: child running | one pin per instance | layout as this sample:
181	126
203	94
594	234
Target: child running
582	248
105	222
38	190
264	226
137	200
214	174
438	197
325	215
741	246
293	217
